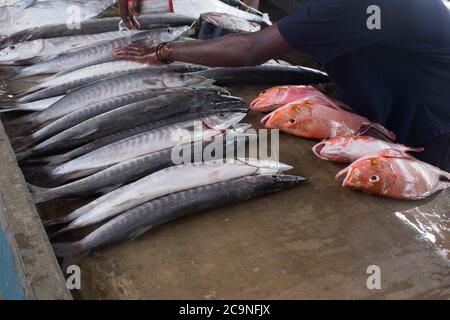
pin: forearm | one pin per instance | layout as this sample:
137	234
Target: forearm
244	49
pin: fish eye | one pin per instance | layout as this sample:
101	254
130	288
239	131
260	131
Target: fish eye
374	179
292	120
169	30
221	114
12	47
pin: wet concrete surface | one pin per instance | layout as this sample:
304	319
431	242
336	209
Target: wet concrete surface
315	241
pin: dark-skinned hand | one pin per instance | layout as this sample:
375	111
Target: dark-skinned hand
137	53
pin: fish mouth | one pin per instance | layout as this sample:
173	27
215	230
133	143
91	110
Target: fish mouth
317	149
343	176
266	121
289	178
255	103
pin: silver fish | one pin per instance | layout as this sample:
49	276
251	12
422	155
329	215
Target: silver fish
139	220
100	52
167	181
93	26
34	51
31	13
61	84
105	89
194	8
145	143
168	107
136	168
90	111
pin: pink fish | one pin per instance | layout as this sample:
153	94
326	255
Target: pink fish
394	174
349	149
273	98
314	118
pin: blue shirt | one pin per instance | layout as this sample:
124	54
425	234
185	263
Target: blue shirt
398	75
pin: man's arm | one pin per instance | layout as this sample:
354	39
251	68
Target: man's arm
243	49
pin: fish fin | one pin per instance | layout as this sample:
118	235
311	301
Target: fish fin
138	232
410	149
39	194
385	132
72	253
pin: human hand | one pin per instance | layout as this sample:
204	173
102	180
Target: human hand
128	10
137	53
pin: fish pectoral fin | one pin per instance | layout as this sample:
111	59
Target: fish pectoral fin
138	232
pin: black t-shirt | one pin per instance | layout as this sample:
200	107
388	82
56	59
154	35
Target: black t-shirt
398	75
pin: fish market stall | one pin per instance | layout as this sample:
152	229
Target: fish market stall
93	145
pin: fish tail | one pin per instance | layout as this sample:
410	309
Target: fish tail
56	221
39	194
23	155
23	125
387	133
9	72
411	149
72	253
9	106
45	171
51	160
60	232
21	144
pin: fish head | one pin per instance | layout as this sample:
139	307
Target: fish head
280	182
372	174
269	99
21	51
172	33
223	120
275	97
289	118
333	149
266	166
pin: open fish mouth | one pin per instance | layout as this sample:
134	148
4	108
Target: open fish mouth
317	149
255	103
266	120
343	176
